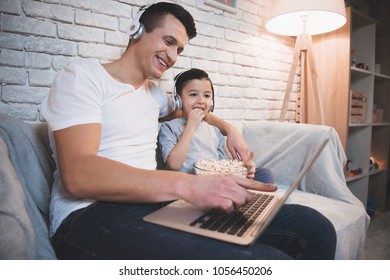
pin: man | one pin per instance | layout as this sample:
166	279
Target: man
103	122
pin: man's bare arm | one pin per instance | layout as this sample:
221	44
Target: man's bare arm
171	116
85	174
235	143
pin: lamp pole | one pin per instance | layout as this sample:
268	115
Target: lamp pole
303	50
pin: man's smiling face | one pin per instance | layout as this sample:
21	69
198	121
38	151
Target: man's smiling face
158	50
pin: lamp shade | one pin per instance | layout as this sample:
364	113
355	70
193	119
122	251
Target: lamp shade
294	17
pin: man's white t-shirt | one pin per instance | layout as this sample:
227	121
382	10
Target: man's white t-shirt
83	93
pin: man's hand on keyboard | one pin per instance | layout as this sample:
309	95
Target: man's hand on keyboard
226	192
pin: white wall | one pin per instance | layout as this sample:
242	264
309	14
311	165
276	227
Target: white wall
249	67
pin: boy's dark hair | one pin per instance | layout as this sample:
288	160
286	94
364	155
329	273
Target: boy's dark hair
183	78
153	15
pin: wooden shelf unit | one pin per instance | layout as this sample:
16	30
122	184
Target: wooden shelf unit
361	40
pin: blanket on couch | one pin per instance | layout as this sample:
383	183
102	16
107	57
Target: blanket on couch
25	183
284	148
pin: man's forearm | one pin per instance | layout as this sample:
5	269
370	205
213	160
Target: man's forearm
235	142
171	116
223	126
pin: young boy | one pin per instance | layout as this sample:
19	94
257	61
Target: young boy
187	139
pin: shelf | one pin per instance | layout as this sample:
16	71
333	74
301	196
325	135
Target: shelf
359	124
363	125
360	71
381	124
382	76
357	177
377	171
370	42
360	176
361	19
363	72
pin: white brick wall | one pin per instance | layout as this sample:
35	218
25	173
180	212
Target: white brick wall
249	67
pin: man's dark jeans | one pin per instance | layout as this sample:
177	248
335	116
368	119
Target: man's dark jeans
117	231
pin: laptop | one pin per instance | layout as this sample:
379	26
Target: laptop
243	226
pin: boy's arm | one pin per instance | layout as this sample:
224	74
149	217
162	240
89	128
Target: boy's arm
179	152
235	143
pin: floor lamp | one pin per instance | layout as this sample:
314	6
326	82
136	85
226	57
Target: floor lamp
304	18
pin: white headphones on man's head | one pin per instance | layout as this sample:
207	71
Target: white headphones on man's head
136	28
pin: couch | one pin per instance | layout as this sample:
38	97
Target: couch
26	169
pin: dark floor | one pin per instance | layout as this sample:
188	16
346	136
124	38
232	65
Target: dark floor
377	245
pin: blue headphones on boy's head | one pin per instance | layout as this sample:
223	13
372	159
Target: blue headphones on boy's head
136	28
178	104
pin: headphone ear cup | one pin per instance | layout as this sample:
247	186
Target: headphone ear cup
177	103
136	28
137	35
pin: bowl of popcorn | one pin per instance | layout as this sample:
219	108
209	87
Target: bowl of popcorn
222	166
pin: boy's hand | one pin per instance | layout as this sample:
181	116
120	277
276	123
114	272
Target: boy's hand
251	165
195	117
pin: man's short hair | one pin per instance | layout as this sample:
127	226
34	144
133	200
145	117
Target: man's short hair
154	14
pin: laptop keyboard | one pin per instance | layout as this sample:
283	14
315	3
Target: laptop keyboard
236	222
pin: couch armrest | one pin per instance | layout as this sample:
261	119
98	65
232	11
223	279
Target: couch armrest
285	147
25	183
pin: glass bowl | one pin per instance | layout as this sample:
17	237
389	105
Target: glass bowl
223	166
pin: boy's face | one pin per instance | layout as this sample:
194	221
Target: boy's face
196	94
158	50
